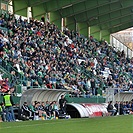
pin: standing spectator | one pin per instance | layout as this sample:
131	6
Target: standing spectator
93	86
62	103
121	108
88	84
110	80
116	106
43	18
8	102
2	112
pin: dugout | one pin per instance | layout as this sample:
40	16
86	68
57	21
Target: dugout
75	110
41	95
123	96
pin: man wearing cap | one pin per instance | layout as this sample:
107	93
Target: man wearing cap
8	102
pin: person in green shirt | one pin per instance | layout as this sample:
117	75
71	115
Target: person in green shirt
32	107
55	109
2	112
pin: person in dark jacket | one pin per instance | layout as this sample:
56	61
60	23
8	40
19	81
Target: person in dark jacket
62	103
93	86
116	106
110	109
121	108
26	110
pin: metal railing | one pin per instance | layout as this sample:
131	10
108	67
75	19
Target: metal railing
119	45
14	80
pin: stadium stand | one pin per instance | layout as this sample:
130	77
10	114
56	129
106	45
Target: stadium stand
43	56
38	54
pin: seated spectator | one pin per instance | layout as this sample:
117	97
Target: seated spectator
26	112
4	86
55	110
34	110
49	109
42	112
111	109
125	109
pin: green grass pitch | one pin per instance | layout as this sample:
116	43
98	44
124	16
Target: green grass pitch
118	124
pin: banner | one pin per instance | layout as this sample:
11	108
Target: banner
95	110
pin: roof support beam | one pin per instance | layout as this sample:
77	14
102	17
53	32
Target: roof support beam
20	7
120	18
83	29
124	26
38	11
56	19
119	28
71	23
29	4
90	6
95	17
116	21
61	4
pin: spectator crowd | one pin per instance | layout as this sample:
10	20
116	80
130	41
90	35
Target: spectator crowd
122	108
47	57
34	111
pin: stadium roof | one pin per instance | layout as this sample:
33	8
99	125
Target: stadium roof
111	15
